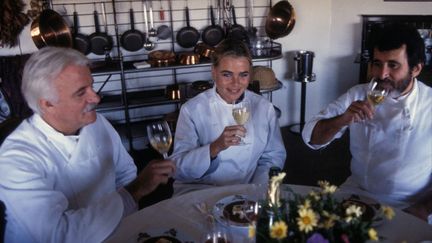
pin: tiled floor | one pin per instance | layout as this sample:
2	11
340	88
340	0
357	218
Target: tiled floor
303	166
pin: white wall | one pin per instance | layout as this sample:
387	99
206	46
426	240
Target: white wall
330	28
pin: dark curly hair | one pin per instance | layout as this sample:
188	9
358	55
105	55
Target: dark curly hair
393	36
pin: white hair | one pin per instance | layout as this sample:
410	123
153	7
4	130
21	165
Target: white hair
42	68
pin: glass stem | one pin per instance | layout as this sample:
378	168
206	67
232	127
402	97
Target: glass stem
165	155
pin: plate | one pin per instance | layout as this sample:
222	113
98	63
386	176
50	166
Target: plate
229	210
369	207
161	236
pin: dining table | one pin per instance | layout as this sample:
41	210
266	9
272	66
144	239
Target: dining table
180	218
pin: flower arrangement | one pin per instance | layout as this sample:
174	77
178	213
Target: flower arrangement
317	217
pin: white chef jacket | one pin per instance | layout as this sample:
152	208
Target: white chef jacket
202	120
63	188
392	153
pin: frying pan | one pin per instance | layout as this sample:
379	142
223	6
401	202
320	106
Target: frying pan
236	31
100	42
212	34
280	20
132	40
49	29
81	42
187	36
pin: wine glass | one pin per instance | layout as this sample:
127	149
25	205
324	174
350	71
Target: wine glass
160	137
376	93
241	114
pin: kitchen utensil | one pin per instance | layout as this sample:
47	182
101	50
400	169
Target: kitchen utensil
189	58
163	32
81	42
251	30
161	11
280	21
236	31
204	50
49	29
148	45
162	58
100	42
212	34
187	36
132	40
152	31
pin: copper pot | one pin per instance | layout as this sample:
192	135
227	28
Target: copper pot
189	58
162	58
280	21
204	50
49	29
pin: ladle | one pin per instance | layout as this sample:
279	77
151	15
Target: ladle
148	45
152	31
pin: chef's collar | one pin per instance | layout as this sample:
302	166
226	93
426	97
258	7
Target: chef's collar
240	99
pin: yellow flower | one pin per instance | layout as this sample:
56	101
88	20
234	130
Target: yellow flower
326	187
279	230
354	210
307	220
252	231
388	212
314	195
329	221
373	235
323	184
305	205
329	189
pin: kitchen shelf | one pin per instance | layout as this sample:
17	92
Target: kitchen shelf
134	96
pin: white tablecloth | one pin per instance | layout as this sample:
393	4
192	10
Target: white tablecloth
181	214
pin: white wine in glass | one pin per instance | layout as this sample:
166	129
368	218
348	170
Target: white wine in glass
375	93
160	137
241	114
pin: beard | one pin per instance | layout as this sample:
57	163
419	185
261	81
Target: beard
396	87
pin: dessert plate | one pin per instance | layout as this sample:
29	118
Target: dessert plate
234	210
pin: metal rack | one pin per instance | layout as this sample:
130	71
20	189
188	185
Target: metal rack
126	91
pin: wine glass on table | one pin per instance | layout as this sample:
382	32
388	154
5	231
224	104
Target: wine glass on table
160	137
241	113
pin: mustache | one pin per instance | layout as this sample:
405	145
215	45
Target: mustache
386	82
90	107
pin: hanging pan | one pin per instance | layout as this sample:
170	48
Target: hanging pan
187	36
132	40
81	42
280	20
100	42
212	34
49	29
237	31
